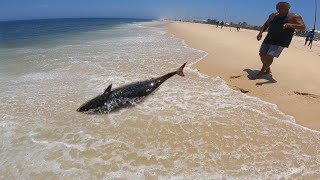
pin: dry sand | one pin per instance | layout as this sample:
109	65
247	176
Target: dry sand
294	85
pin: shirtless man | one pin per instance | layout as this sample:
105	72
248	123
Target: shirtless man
282	25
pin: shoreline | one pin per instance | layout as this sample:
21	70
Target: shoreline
233	61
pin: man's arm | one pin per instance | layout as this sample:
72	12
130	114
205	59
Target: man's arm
265	26
295	21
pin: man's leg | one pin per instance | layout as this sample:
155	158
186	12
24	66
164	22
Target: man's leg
267	52
267	61
310	44
263	57
268	71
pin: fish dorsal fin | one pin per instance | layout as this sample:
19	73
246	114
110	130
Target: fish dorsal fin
108	89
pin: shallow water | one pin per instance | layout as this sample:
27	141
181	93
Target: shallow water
192	127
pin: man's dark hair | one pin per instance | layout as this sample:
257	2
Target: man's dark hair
284	3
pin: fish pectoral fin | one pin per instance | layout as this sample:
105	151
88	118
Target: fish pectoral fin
108	89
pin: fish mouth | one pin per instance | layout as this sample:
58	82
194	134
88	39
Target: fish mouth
80	109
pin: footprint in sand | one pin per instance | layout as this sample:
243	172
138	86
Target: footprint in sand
234	77
306	94
240	89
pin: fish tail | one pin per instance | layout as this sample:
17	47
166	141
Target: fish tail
180	70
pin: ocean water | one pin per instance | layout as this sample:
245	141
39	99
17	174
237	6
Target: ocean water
192	127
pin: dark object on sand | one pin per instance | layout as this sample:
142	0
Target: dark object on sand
126	95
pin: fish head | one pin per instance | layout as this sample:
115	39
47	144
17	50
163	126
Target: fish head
96	102
87	106
91	105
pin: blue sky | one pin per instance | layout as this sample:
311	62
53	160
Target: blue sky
251	11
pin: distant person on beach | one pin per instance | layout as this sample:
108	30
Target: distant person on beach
217	23
238	27
310	37
282	25
222	24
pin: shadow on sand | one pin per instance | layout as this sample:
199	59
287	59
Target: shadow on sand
252	73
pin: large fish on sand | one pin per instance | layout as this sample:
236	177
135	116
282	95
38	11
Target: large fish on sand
126	95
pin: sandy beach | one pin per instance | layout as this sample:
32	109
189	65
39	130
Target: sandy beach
294	85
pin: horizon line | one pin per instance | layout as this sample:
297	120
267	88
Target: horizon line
52	18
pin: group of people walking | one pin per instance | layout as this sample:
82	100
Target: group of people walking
221	24
218	23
